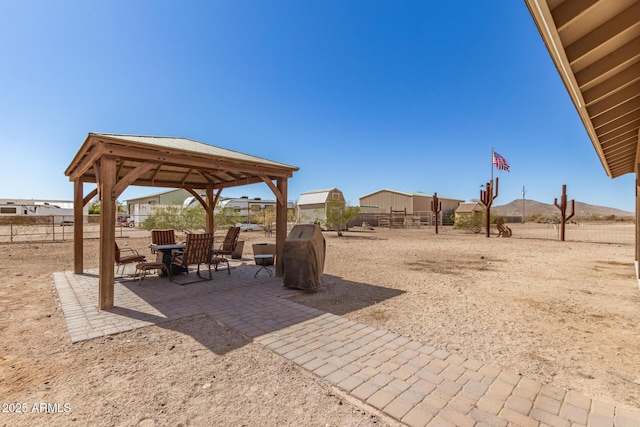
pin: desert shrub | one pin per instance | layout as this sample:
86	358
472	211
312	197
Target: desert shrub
338	217
177	218
472	223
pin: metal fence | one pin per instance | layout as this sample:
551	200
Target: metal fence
592	231
53	229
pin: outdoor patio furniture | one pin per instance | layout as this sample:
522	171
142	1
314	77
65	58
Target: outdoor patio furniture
164	254
229	243
216	260
162	237
197	251
122	261
144	267
264	261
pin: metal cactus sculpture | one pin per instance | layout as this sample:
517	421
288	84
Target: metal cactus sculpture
563	210
487	197
436	208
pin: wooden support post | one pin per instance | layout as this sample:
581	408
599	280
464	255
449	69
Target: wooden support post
436	208
563	210
210	226
107	232
78	227
637	223
281	225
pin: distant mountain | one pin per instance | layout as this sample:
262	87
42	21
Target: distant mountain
532	207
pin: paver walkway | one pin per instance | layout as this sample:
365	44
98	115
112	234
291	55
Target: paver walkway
409	381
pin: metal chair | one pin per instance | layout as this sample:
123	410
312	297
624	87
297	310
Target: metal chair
197	251
122	261
229	243
227	248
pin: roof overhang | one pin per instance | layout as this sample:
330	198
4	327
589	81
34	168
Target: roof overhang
172	163
595	45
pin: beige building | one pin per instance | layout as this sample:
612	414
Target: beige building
385	200
469	209
313	205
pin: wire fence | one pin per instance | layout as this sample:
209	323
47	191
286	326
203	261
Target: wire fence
52	229
595	232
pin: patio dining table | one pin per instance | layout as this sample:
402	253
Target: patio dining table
165	254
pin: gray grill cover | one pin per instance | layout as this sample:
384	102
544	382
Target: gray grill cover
304	253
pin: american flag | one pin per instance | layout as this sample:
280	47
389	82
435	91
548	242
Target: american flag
500	162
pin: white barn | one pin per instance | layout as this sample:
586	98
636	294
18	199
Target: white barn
312	205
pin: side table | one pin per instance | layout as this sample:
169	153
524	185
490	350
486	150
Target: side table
261	261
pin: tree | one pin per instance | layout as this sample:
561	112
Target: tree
338	216
94	207
227	217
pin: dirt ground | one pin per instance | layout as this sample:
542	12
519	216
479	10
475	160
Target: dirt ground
565	313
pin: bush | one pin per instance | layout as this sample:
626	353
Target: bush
177	218
471	223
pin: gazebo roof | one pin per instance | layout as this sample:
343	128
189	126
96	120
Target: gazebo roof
173	162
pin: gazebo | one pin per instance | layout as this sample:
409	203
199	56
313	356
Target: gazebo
113	162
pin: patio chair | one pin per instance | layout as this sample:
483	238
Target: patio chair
197	251
162	237
122	261
229	243
227	248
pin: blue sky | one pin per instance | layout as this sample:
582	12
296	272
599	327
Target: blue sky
360	95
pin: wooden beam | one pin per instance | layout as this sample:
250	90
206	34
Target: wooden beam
608	65
615	128
131	177
85	164
89	196
107	233
207	163
630	92
96	168
78	227
174	184
198	198
626	112
625	20
637	219
569	10
275	190
619	138
281	226
612	85
211	204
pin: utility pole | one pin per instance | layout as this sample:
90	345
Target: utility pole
523	193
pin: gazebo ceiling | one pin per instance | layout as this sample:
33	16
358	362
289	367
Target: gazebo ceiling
172	162
595	45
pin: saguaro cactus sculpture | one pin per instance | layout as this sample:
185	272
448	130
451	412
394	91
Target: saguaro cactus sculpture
436	208
487	197
563	210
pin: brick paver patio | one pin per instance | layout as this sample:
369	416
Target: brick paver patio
407	380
